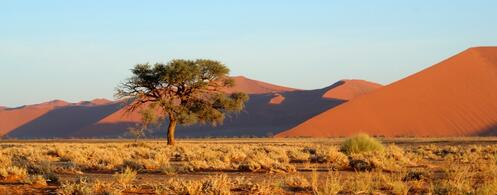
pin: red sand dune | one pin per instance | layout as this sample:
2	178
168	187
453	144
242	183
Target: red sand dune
351	89
14	117
122	116
265	114
91	118
457	97
277	99
250	86
242	84
11	119
104	118
51	104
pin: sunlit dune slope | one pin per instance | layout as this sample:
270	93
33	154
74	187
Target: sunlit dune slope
456	97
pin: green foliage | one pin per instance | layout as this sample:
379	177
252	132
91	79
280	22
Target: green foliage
185	91
361	143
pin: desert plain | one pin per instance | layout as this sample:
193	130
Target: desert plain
250	166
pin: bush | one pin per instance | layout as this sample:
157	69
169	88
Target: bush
361	143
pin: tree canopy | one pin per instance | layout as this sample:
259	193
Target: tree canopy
184	91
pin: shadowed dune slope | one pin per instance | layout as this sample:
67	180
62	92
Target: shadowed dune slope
242	84
260	117
63	122
263	119
265	114
11	118
457	97
350	89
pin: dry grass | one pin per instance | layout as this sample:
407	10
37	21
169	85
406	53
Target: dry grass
332	184
126	177
271	167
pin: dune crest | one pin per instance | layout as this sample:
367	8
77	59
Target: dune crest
350	89
50	104
94	102
250	86
456	97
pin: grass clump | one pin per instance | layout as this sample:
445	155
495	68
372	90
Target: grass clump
81	186
361	143
331	186
298	184
36	180
126	177
13	174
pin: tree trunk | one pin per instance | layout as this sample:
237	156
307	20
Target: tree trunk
170	130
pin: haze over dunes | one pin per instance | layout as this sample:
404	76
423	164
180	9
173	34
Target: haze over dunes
456	97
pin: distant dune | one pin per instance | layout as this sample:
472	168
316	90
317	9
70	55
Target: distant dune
350	89
11	118
270	110
94	102
260	117
456	97
242	84
250	86
64	122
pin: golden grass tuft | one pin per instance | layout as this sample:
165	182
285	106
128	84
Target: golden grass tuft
361	143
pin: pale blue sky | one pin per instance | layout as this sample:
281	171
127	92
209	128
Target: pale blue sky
80	50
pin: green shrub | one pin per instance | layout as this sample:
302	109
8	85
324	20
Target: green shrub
361	143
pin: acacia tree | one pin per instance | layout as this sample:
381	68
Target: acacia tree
184	91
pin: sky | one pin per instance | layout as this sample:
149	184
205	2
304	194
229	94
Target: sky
81	50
